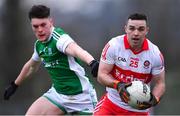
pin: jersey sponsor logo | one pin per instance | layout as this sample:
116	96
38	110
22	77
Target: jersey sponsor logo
121	59
52	64
128	75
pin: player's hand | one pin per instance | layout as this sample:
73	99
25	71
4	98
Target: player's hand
124	94
153	102
94	64
10	90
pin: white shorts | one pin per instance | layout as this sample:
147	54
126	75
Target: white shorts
83	103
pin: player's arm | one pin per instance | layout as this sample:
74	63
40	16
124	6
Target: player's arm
75	50
158	78
159	85
28	69
157	92
104	76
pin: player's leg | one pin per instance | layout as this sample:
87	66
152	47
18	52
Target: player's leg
43	106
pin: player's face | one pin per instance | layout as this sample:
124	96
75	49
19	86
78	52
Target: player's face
136	31
42	28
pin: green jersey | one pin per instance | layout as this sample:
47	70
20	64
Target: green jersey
67	75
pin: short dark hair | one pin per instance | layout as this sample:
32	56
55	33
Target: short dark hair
39	11
138	16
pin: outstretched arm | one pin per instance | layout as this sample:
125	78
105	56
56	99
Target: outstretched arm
28	69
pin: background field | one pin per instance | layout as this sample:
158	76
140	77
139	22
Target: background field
91	23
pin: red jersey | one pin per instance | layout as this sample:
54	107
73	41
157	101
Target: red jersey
130	65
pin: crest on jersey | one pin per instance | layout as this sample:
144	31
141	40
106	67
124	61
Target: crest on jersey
146	64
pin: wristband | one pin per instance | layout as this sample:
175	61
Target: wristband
115	83
91	63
